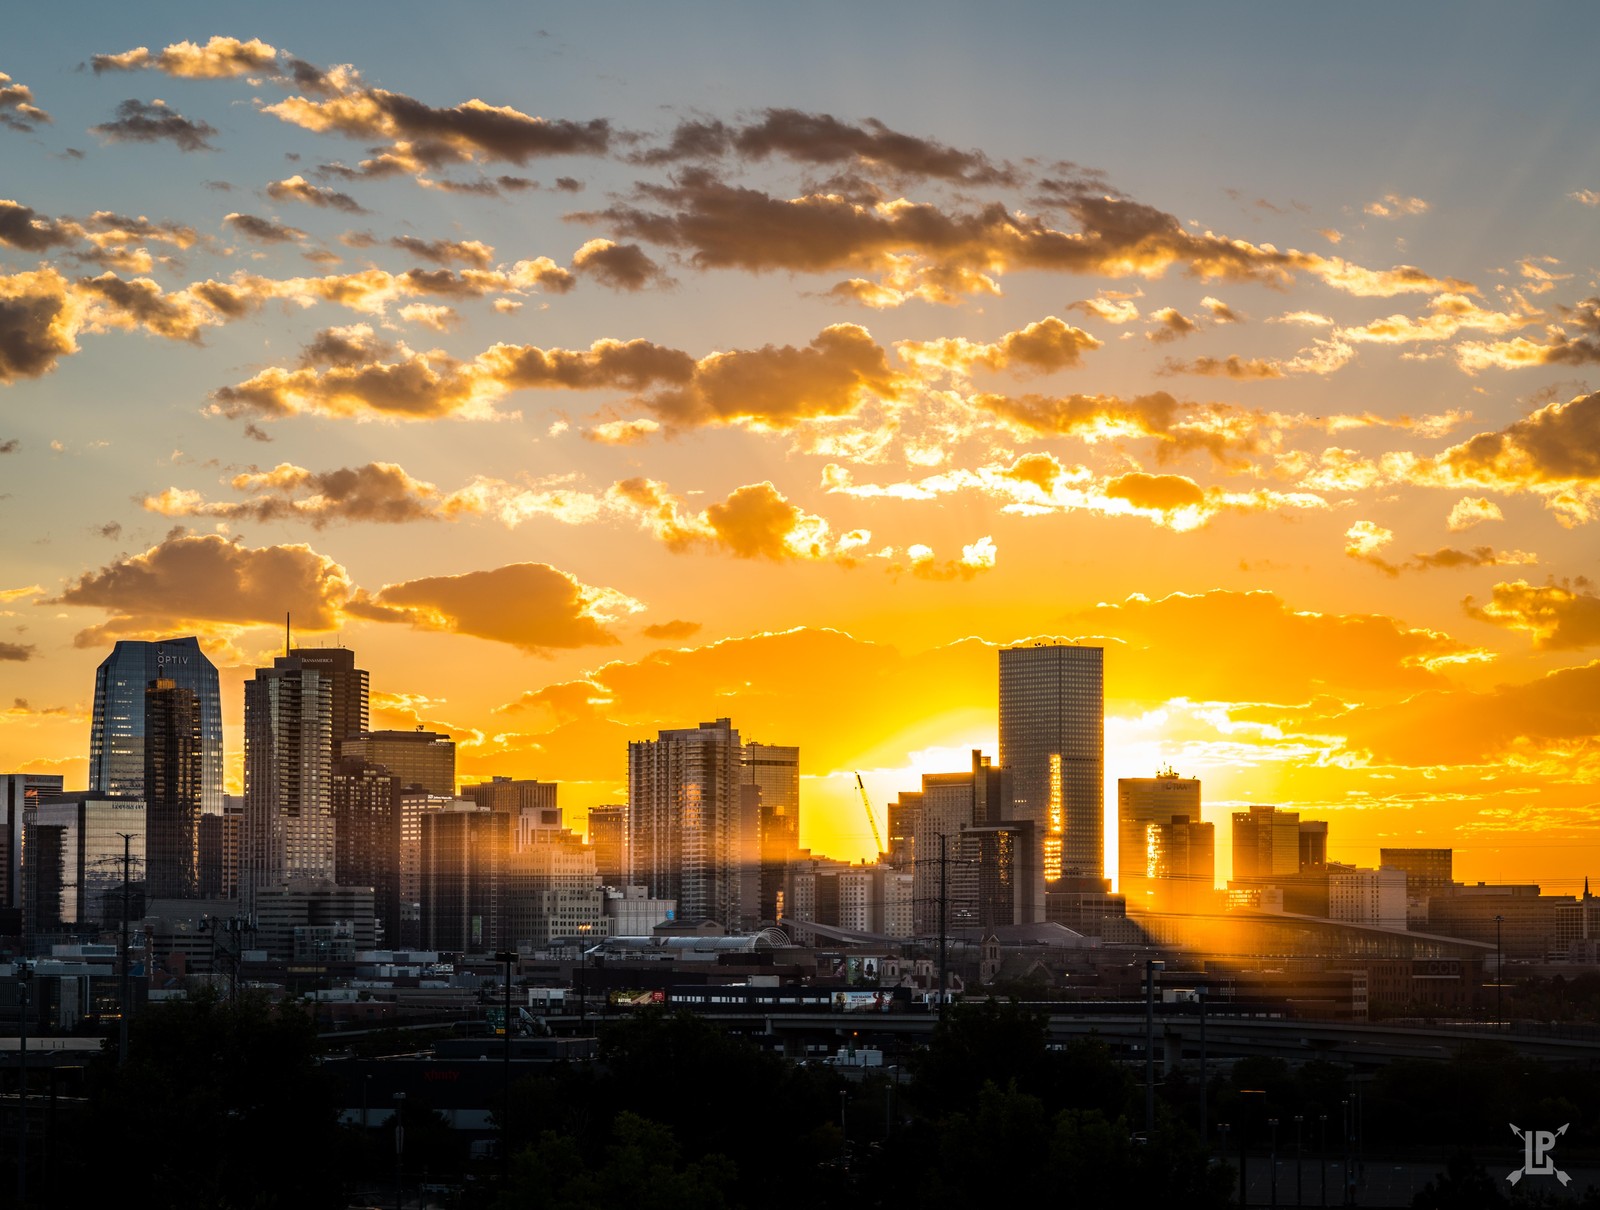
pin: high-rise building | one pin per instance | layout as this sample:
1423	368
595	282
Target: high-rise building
417	758
464	850
511	795
288	828
775	770
1143	802
1428	871
683	819
366	828
19	793
1266	843
117	735
969	856
173	777
76	844
608	833
416	804
347	690
1052	742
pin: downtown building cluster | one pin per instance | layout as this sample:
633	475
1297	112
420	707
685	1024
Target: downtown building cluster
351	841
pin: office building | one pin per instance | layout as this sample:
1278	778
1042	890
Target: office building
512	796
683	820
116	731
1052	743
1161	840
774	769
288	831
608	833
366	829
415	805
464	848
1428	871
19	793
76	844
1375	897
968	856
1266	843
417	758
173	780
347	690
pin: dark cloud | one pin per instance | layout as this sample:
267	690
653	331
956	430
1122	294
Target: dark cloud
620	266
1172	325
436	136
569	184
263	230
348	346
17	109
16	651
298	189
35	327
10	445
378	492
137	122
445	251
257	433
23	228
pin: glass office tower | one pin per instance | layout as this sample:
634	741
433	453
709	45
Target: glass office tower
1052	739
117	734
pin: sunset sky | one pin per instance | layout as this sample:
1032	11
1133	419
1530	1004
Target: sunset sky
596	369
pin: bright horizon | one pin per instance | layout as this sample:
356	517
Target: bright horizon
590	378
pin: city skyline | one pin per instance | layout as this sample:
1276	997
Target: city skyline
751	370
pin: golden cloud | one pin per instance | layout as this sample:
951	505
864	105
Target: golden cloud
206	581
1560	617
533	606
1044	346
217	59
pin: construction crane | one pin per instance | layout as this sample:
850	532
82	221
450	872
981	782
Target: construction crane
877	837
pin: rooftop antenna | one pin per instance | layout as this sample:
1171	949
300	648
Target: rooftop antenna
286	633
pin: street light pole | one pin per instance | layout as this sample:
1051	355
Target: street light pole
508	957
1273	1122
23	983
1205	1135
1151	966
122	1025
1499	970
1299	1166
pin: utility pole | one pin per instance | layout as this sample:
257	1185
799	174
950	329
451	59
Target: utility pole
122	1024
1205	1134
509	957
1151	966
23	983
944	977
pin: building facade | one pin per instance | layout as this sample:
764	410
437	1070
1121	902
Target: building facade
174	765
1052	742
117	728
683	819
348	690
608	833
288	830
417	758
1161	840
19	794
80	848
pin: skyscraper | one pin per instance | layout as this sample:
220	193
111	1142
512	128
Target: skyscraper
288	754
19	792
1161	837
348	690
683	819
117	732
1052	739
173	773
775	770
